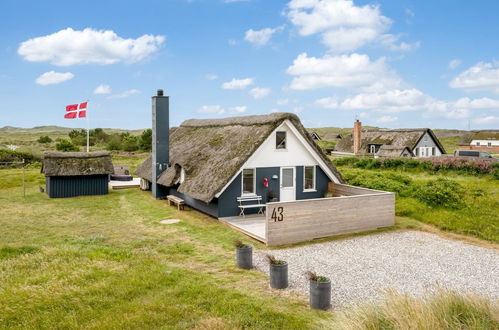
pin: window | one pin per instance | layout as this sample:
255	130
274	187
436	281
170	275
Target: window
489	144
280	140
478	143
309	178
248	181
372	148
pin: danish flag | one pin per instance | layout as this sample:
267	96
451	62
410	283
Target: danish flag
76	111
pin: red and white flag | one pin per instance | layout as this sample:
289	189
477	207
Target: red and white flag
76	111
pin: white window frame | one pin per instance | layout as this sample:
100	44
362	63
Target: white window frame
285	141
314	180
254	182
372	148
489	144
477	143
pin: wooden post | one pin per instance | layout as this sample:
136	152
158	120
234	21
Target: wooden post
24	180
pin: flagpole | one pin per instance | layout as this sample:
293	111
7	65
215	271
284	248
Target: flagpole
88	134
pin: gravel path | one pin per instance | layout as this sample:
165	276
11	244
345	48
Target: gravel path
411	261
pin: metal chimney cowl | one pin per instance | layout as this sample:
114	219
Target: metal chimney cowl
160	141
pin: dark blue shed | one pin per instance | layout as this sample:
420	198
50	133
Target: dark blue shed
70	174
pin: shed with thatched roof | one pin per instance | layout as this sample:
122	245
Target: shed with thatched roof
69	174
212	162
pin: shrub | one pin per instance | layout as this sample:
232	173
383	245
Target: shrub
441	193
495	174
65	145
44	139
344	161
114	143
393	182
393	162
145	140
129	143
8	156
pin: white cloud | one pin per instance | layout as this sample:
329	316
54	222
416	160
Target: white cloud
238	109
480	77
396	101
486	120
343	26
238	83
261	37
211	76
217	109
453	64
259	92
125	94
282	102
52	78
354	71
211	109
69	47
103	89
386	119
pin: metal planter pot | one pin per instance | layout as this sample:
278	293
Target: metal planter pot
244	257
320	295
278	276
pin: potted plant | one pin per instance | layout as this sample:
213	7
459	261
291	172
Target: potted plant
278	273
320	291
244	255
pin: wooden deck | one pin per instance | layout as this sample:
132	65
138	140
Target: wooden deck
135	183
253	226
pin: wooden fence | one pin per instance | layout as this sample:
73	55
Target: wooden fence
354	210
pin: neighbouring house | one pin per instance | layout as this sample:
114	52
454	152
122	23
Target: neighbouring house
314	136
391	143
210	163
70	174
332	136
481	140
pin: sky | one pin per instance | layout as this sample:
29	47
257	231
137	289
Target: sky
396	64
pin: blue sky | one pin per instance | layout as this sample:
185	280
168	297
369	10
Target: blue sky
390	63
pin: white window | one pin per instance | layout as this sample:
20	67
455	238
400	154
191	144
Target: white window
309	178
372	148
489	144
280	140
477	143
249	178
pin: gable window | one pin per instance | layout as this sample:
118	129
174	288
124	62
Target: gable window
280	140
372	149
248	181
308	178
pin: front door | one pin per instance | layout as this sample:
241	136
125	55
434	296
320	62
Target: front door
288	186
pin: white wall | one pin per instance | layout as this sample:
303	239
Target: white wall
295	154
427	142
484	143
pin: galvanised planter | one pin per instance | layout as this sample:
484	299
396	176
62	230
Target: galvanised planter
244	257
320	295
278	276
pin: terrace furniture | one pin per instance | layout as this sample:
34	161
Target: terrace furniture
257	203
176	201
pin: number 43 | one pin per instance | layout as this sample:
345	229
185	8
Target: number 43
277	214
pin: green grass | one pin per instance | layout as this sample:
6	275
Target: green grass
480	205
106	262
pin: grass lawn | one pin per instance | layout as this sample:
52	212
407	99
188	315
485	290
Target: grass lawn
106	262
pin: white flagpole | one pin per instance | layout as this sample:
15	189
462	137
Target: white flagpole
88	125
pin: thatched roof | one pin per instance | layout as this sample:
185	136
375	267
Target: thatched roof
57	163
399	138
392	151
212	151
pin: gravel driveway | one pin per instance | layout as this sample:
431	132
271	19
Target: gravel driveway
413	262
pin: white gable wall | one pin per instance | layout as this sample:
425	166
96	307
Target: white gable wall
295	154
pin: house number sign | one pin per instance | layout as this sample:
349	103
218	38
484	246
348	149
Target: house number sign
278	214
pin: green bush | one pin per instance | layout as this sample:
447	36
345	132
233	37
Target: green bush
8	156
344	161
44	139
145	140
130	143
65	145
393	182
441	193
495	174
114	143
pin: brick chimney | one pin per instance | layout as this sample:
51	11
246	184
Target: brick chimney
357	131
160	140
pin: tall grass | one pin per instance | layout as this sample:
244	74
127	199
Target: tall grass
444	310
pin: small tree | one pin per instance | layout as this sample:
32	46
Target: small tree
44	139
114	142
65	145
145	140
130	143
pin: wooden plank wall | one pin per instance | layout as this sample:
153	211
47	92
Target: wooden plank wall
346	190
305	220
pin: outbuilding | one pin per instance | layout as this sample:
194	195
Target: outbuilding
70	174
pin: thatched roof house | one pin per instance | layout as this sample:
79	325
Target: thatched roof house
69	174
212	151
420	142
